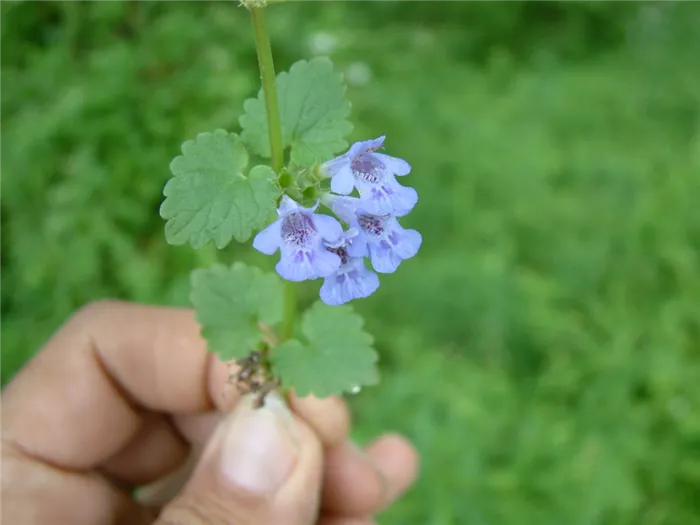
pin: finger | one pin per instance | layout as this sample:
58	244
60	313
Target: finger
35	493
329	417
398	462
361	483
158	449
78	402
154	457
157	494
155	450
261	466
344	521
197	428
352	485
161	447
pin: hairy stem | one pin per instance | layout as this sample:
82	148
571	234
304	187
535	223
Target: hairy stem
267	75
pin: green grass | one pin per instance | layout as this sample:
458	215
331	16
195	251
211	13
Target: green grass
542	349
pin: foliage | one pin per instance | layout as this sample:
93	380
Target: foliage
333	341
313	112
229	303
209	198
542	351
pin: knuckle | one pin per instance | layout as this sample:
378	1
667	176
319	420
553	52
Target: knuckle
94	309
12	462
86	318
15	489
343	417
329	417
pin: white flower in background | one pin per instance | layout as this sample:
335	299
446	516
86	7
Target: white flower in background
358	73
322	43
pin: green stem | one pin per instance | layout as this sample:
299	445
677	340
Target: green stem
267	75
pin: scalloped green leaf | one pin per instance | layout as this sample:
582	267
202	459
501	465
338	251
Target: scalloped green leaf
335	356
313	113
230	301
209	199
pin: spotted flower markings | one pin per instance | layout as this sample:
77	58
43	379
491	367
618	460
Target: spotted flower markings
300	233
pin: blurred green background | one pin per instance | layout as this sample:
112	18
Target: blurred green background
543	350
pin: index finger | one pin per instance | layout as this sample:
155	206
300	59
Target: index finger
79	400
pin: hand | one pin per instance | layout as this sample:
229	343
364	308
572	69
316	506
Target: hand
127	395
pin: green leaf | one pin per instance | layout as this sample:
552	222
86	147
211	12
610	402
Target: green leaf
313	113
336	357
228	304
209	199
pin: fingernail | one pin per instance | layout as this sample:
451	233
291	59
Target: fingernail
260	446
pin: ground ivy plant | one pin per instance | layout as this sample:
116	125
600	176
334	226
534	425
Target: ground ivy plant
298	121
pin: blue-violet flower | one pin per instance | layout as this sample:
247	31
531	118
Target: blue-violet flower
352	280
299	233
389	244
372	174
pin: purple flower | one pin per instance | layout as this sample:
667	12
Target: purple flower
387	241
300	233
352	280
372	174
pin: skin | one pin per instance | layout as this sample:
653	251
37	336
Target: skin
126	395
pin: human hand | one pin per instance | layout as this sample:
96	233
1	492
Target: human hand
126	395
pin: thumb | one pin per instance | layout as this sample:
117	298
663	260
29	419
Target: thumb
262	466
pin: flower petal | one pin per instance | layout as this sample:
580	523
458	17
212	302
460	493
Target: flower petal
365	283
357	283
328	228
384	258
288	205
333	292
356	245
343	180
333	166
328	293
295	264
303	263
388	197
268	240
325	263
393	164
409	243
403	199
364	146
344	207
